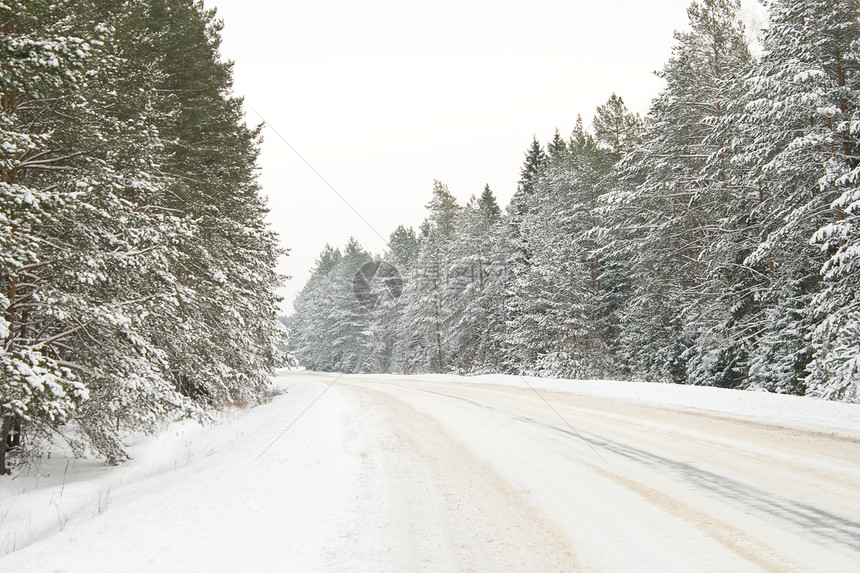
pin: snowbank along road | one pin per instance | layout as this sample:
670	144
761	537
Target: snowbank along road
387	473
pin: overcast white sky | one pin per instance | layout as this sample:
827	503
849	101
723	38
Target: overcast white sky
384	96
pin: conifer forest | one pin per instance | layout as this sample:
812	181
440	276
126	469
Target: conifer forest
713	241
136	270
641	354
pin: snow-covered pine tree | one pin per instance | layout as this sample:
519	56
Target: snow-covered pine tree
470	336
417	324
226	277
436	263
491	277
520	310
802	108
560	287
309	336
46	50
114	266
666	203
618	131
615	128
350	317
719	346
331	325
390	346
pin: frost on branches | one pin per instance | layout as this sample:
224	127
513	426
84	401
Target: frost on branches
127	295
801	107
713	242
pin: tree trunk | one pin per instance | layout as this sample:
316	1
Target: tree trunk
484	305
436	306
13	437
4	433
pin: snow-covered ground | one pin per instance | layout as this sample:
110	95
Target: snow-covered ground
443	473
193	499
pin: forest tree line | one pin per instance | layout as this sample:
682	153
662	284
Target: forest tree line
714	241
136	269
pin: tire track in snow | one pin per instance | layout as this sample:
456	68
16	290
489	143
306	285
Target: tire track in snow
438	507
803	518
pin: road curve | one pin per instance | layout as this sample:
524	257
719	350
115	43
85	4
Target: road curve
483	477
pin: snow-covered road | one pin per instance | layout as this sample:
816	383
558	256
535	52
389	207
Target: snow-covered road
436	474
638	487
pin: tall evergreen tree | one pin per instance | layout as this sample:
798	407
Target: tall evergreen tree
800	110
390	338
668	198
138	302
535	159
45	50
558	330
518	254
616	128
435	263
471	338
